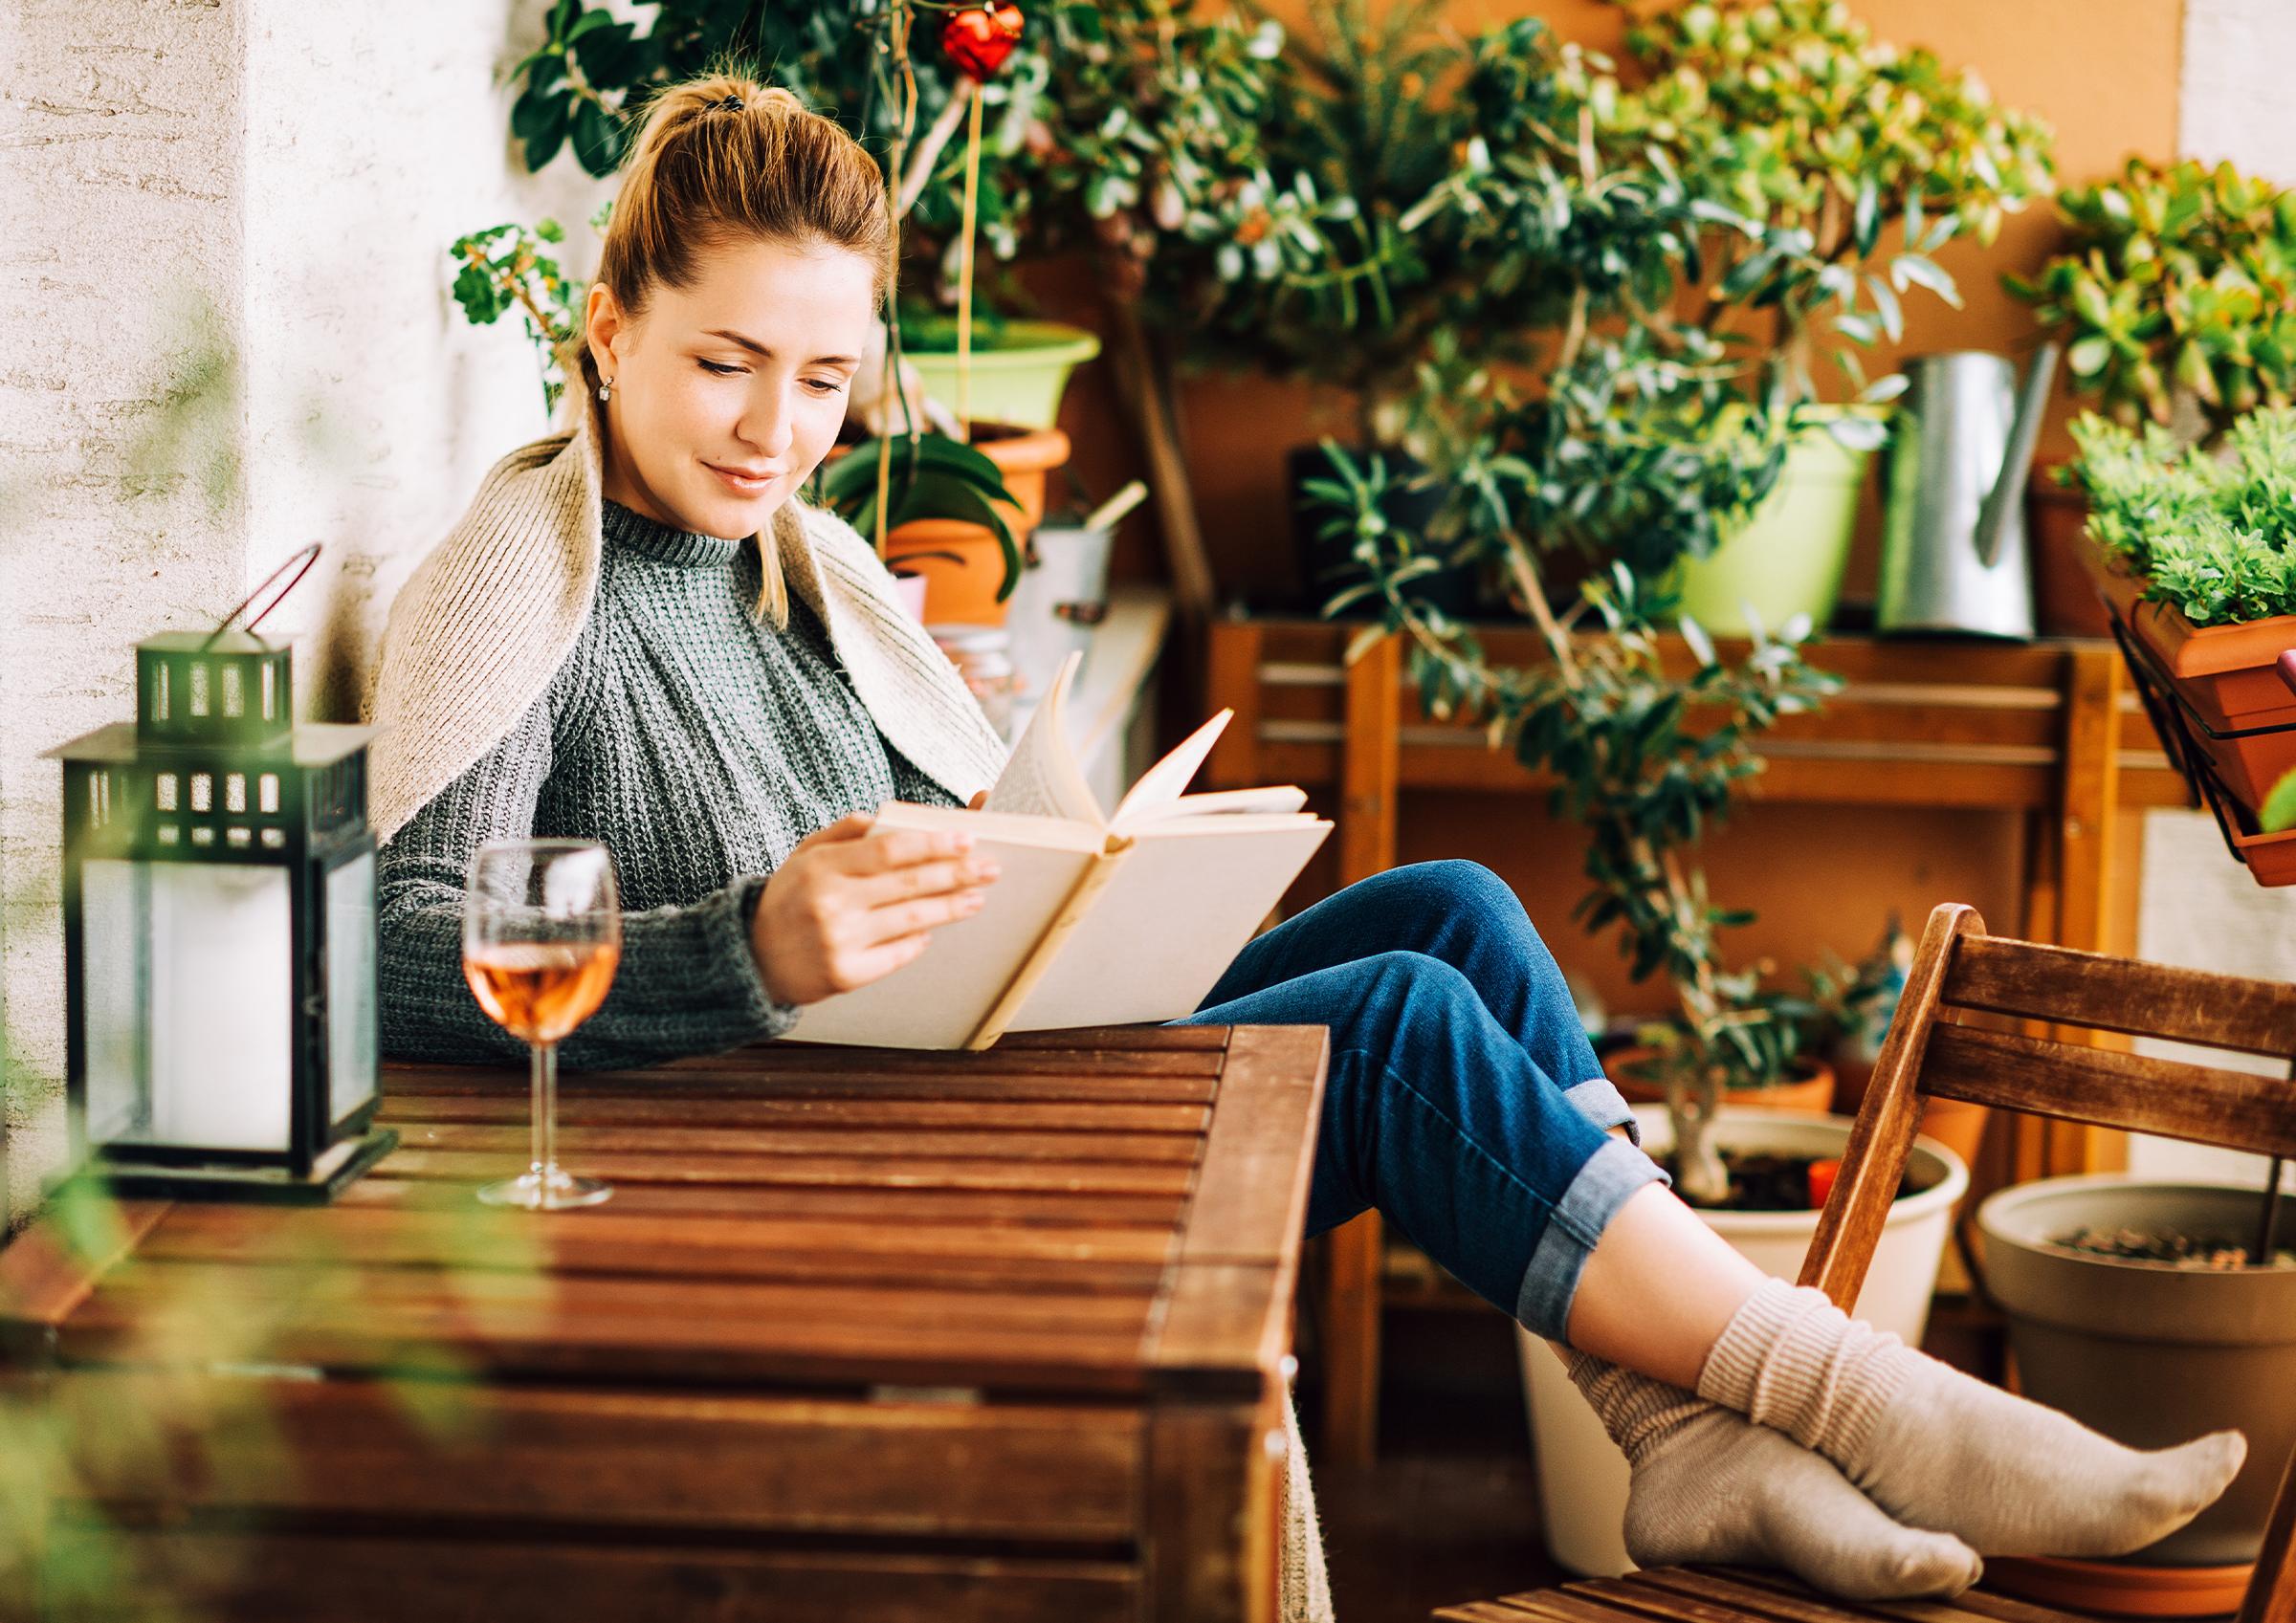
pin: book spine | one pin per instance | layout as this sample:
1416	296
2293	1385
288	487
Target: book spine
1088	885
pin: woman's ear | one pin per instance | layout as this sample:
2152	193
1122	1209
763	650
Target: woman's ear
602	322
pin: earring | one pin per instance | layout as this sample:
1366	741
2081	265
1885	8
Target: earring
606	389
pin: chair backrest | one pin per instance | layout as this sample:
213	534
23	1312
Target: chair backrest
1960	970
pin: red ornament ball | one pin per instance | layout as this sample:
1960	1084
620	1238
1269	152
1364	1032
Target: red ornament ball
978	38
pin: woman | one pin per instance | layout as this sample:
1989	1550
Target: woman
600	650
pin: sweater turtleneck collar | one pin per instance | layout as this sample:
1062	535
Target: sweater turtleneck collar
632	532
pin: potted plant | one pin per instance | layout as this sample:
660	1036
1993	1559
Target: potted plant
2174	295
2196	555
1792	116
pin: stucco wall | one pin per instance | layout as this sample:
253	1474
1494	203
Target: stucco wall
273	185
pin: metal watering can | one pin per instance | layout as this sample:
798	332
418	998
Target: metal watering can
1954	554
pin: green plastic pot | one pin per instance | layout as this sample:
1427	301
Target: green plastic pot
1019	368
1787	556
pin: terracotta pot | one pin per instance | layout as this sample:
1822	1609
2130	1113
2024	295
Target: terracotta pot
2064	598
1813	1093
2227	674
962	563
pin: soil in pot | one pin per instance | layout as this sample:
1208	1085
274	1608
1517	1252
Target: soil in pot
1763	1181
2176	1247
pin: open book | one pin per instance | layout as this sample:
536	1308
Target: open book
1095	919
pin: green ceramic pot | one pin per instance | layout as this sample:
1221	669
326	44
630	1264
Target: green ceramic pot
1787	557
1019	368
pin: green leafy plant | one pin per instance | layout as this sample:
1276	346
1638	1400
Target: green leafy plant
509	267
2213	535
2174	278
931	477
1759	155
1647	755
1792	115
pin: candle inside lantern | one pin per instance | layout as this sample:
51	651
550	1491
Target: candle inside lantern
191	970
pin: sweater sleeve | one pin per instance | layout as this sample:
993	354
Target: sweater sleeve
688	982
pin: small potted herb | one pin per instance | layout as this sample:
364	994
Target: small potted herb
2197	553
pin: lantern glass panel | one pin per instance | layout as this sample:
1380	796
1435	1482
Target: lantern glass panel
351	1034
188	989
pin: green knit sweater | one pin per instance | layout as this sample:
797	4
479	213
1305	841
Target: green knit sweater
700	745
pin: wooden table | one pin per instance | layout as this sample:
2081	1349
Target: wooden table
862	1333
2048	730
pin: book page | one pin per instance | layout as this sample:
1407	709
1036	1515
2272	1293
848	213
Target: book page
938	998
1223	802
1162	784
1040	776
1182	903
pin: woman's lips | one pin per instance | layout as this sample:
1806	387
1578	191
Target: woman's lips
736	482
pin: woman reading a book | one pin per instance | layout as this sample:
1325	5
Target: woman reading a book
640	634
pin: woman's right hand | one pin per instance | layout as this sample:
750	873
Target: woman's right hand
855	902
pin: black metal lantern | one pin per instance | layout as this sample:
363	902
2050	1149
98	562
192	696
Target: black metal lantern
219	933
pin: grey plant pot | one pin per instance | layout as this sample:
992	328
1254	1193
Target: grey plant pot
2148	1353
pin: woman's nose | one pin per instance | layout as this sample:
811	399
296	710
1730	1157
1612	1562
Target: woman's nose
769	426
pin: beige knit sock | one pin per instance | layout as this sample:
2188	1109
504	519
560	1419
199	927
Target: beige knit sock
1936	1448
1711	1485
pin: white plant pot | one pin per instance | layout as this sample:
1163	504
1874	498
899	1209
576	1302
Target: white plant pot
1582	1477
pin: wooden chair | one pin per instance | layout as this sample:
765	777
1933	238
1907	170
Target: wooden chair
1931	1051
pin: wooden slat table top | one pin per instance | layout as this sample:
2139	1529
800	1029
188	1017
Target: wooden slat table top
1729	1594
1111	1214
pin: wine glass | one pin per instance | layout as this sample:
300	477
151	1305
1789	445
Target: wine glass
541	934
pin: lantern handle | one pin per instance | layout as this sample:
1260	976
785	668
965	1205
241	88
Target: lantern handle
305	557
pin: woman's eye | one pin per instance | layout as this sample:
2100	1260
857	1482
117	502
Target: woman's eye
716	371
829	385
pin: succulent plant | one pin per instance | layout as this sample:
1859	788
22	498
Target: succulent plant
2174	278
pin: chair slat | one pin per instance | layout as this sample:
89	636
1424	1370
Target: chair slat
2132	1091
1747	1598
2065	987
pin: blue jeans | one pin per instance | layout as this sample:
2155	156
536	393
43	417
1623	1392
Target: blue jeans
1463	1100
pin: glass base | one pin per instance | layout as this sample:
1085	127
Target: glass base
550	1189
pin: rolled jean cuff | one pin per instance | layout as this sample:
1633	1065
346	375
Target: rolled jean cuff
1600	1102
1610	1176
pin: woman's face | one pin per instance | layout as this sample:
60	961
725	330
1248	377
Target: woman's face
743	373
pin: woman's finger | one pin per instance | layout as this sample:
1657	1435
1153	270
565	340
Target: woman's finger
896	919
923	879
900	848
872	963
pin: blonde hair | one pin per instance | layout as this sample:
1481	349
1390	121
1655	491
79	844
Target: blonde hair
722	159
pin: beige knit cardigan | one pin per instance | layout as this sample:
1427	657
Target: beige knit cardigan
485	622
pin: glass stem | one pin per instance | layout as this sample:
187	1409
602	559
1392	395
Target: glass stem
545	1109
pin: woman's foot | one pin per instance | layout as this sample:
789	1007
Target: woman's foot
1936	1448
1711	1485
